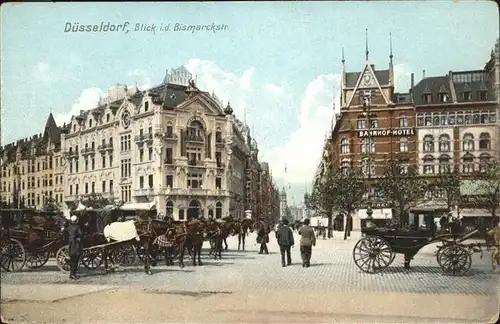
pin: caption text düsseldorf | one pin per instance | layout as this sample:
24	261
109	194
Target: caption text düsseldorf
126	27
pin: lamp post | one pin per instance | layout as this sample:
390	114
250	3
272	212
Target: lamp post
367	98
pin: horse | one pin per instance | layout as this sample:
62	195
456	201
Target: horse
244	226
193	240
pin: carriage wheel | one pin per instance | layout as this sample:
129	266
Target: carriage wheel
140	251
37	259
92	259
125	256
454	260
372	254
63	259
13	257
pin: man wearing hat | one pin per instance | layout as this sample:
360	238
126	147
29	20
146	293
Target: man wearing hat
263	236
75	245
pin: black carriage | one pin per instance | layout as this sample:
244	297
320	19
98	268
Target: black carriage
29	237
378	247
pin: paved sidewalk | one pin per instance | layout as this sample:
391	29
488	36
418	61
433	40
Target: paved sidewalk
47	293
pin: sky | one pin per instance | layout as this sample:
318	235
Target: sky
278	63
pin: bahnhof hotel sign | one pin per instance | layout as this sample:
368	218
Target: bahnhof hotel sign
387	132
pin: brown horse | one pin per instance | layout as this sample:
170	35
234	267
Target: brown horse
244	226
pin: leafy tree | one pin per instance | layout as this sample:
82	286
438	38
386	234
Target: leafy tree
322	198
448	184
488	190
97	201
401	187
51	205
347	193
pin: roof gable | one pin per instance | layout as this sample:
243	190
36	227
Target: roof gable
203	103
367	80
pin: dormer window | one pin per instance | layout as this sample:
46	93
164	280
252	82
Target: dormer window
90	123
443	97
466	95
107	118
482	95
427	97
146	106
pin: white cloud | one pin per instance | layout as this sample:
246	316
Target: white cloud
302	151
89	99
43	73
142	79
274	89
402	77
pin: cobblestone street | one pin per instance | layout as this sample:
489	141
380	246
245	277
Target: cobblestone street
333	273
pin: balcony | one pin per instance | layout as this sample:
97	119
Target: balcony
144	192
171	137
169	161
88	150
70	154
105	147
196	163
192	138
144	138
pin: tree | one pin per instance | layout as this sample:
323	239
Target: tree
347	193
448	184
51	205
322	198
97	201
488	189
401	187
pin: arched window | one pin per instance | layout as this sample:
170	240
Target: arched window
361	122
403	144
420	120
428	143
427	119
484	160
366	147
484	141
368	167
194	209
218	210
218	135
468	142
468	163
170	130
344	146
374	121
170	209
345	165
444	143
428	164
195	130
403	120
444	163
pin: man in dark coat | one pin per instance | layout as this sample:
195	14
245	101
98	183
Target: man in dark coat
285	241
75	245
263	236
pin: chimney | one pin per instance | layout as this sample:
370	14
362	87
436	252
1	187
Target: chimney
412	84
373	66
423	74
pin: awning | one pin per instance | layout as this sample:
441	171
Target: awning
138	206
476	212
380	213
81	207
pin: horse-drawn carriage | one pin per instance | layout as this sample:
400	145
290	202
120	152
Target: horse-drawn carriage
29	238
378	247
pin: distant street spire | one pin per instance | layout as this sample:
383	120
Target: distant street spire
390	44
366	43
343	58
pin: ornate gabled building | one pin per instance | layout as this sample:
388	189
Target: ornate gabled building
31	169
375	123
173	146
269	200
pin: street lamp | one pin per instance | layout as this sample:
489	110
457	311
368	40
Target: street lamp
367	97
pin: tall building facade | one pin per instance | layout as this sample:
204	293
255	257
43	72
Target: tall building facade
375	123
172	146
31	170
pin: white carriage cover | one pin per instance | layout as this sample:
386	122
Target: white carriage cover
121	231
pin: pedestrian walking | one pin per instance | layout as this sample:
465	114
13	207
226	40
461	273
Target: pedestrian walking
75	245
286	242
494	233
307	241
263	236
